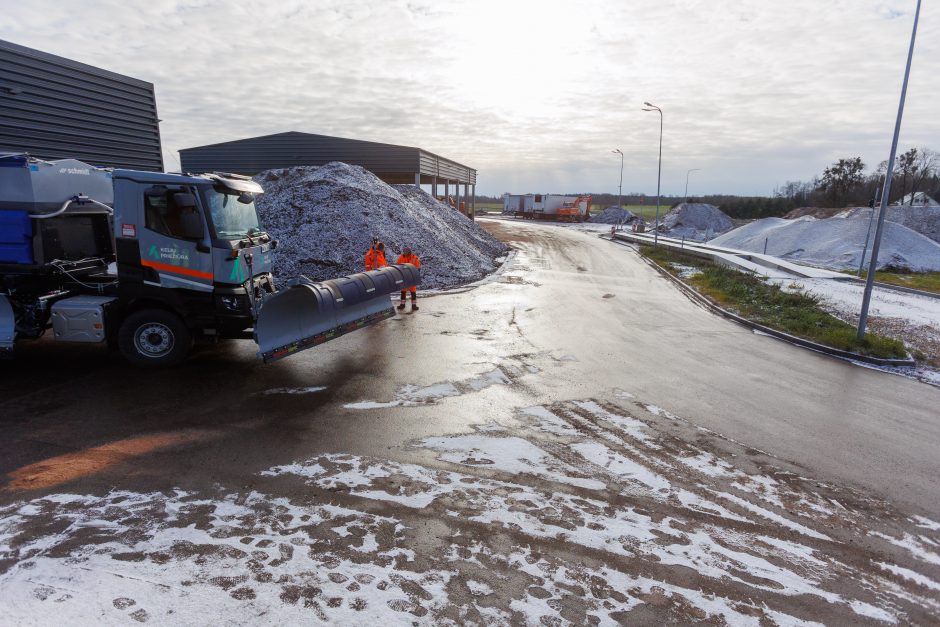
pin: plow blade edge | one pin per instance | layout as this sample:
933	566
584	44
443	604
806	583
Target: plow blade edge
307	314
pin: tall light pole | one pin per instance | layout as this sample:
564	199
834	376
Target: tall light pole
659	174
619	187
886	191
687	181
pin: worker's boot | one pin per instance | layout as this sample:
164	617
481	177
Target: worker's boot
414	302
402	304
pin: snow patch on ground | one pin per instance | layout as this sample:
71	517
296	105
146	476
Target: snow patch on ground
845	299
582	514
508	454
251	552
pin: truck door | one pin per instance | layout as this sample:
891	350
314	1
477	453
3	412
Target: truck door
173	242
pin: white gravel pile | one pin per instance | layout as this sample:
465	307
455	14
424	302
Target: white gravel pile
325	218
613	215
695	221
834	243
923	219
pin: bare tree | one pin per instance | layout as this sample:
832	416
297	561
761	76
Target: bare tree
925	168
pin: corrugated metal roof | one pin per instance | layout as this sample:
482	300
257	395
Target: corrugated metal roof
284	150
53	107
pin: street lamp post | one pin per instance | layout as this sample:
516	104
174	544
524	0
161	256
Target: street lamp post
886	191
620	186
687	181
659	174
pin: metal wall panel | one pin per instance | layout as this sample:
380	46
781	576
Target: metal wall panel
284	150
53	108
432	165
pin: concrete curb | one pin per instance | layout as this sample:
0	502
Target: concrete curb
698	298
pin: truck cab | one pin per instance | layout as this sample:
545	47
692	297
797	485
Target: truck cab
146	261
191	244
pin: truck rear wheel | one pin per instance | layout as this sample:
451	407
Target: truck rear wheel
154	338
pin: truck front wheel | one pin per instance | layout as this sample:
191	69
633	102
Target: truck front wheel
154	338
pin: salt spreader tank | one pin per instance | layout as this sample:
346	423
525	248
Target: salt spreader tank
149	262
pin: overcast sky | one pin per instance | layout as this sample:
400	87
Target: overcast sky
533	94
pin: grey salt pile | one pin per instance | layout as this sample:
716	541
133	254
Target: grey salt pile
325	218
920	218
613	215
695	221
834	243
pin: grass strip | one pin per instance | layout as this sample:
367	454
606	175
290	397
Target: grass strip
798	314
926	281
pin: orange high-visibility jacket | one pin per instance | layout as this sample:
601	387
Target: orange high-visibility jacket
375	259
413	260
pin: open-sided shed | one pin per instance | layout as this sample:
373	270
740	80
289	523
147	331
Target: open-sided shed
393	164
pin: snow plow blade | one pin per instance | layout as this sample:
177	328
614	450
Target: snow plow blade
307	314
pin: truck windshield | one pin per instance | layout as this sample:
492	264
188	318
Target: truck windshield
232	218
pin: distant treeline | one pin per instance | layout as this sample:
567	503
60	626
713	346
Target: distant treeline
843	184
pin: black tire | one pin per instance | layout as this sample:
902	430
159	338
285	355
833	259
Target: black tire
154	338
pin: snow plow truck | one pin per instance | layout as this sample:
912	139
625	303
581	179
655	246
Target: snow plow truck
148	262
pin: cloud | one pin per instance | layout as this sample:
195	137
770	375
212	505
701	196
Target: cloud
532	94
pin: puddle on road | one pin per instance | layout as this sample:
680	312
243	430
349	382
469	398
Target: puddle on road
506	373
303	390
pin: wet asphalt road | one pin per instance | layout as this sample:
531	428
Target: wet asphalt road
512	453
588	314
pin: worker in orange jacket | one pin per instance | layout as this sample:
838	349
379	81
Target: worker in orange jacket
409	257
375	256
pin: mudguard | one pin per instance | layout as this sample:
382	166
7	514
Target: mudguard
306	314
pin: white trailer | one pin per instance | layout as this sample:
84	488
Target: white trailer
547	206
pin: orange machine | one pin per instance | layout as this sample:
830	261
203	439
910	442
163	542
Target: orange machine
577	210
453	203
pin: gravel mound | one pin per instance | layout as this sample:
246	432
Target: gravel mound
922	219
325	218
613	215
695	221
834	243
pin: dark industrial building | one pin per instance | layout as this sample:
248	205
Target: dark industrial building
391	163
53	108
